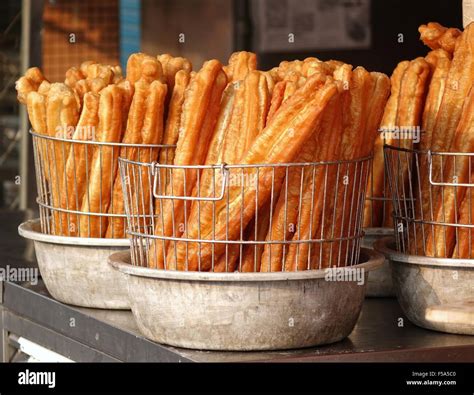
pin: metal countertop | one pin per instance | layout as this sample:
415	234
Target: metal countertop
381	334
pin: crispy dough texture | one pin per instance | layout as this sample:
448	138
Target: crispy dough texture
79	160
200	111
30	82
152	133
449	202
464	246
413	90
437	36
302	112
240	64
146	67
133	135
61	117
104	164
377	186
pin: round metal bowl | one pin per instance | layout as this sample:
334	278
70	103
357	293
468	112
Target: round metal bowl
245	311
434	293
380	281
75	269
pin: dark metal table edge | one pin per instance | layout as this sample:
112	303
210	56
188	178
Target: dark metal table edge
95	333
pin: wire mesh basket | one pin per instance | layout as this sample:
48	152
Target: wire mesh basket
79	189
432	194
377	210
250	218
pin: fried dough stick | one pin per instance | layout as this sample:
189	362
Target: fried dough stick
377	187
175	109
368	93
412	98
151	134
375	109
30	82
413	90
299	181
209	178
61	117
200	112
142	66
437	36
133	135
240	64
79	160
171	66
440	62
104	164
252	122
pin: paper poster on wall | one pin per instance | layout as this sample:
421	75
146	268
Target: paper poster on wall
299	25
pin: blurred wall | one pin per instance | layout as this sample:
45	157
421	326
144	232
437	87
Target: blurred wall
206	24
96	29
388	19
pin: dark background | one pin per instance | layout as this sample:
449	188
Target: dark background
388	19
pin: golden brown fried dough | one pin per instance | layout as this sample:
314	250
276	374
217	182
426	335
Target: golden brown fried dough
133	135
302	112
30	82
240	64
104	164
200	112
79	160
457	171
437	36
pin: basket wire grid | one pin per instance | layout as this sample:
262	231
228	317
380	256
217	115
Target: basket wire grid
377	211
66	170
376	203
227	221
432	201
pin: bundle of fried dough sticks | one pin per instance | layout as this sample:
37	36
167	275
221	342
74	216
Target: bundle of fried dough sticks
432	95
97	104
299	112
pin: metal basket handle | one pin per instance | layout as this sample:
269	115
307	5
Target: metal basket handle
444	184
157	181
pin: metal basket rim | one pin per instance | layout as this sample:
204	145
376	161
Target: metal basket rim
355	237
410	221
100	143
78	212
427	152
240	166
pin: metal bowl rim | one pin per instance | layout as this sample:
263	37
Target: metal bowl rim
119	261
383	246
26	230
